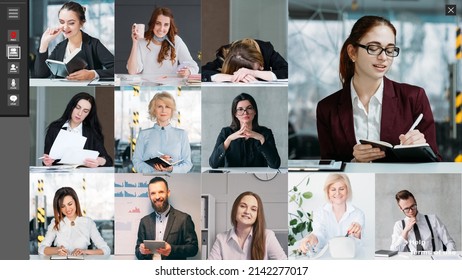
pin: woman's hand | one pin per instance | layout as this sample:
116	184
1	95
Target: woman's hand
308	241
355	230
367	153
83	74
49	35
92	163
244	75
412	137
47	160
184	72
252	134
78	252
161	168
62	251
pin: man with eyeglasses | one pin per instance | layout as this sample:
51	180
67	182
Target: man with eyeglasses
418	232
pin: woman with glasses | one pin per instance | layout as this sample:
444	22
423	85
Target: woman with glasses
245	143
369	105
338	217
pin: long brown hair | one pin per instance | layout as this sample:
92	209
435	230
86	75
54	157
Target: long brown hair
58	201
258	246
149	34
360	28
243	53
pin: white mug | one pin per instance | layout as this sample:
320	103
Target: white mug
139	30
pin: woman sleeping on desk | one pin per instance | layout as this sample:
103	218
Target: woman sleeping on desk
69	231
162	140
100	61
79	117
245	143
160	50
370	106
246	60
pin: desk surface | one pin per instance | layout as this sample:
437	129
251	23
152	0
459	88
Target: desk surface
47	82
151	80
456	255
90	257
431	167
242	170
69	169
279	83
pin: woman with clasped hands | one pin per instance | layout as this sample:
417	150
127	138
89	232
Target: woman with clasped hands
70	231
245	143
71	20
338	217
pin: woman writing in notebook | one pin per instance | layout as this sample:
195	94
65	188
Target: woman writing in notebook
248	239
100	62
246	60
70	232
162	140
370	106
338	217
79	117
160	50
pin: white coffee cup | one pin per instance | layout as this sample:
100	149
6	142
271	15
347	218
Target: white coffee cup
139	30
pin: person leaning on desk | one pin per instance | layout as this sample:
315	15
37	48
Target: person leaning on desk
99	59
245	143
70	231
370	106
160	50
245	61
80	117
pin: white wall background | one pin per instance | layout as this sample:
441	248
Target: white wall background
438	194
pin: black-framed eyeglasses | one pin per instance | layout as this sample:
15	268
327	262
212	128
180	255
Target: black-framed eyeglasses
240	111
377	50
413	208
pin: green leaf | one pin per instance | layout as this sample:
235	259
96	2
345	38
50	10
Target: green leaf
300	201
293	222
307	195
295	189
307	181
292	198
301	227
309	228
295	230
300	213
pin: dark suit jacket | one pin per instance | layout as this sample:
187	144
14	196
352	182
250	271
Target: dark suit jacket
401	105
245	153
179	233
95	54
273	62
92	143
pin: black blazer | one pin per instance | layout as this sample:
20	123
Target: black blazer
245	153
98	57
273	62
92	143
179	233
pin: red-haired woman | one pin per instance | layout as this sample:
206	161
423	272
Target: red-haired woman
161	51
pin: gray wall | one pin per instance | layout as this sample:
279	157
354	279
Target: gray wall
226	187
438	194
216	113
187	14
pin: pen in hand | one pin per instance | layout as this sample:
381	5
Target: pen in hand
416	123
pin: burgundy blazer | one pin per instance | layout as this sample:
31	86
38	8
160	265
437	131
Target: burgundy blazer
401	105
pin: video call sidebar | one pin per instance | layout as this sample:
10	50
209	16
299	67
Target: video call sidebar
14	76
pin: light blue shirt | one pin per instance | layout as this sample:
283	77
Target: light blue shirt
170	141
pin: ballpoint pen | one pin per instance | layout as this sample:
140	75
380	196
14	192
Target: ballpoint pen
416	123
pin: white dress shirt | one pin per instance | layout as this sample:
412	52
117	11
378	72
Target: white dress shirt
325	225
147	59
440	234
77	130
226	247
168	141
75	236
367	123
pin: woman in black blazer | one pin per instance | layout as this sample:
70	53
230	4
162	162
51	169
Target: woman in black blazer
246	60
245	143
80	117
99	59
